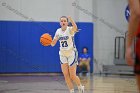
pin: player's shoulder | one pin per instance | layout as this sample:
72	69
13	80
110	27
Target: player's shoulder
59	29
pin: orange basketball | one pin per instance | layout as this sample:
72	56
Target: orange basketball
46	39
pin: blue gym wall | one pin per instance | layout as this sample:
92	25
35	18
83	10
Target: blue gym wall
21	51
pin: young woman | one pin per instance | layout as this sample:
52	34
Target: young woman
68	53
134	31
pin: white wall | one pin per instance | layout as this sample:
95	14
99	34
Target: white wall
44	10
6	14
113	12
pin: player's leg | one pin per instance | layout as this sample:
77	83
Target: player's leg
72	60
65	70
75	78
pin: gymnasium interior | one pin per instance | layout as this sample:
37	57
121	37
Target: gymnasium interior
28	67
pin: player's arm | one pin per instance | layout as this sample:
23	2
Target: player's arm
132	28
74	26
135	7
54	41
133	21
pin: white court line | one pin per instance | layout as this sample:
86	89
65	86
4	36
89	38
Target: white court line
3	81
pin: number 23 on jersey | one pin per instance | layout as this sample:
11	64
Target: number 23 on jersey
64	43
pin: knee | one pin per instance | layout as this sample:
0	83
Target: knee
72	77
66	75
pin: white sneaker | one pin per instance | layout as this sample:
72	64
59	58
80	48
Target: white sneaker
72	91
81	89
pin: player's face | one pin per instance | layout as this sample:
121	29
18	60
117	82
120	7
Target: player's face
63	22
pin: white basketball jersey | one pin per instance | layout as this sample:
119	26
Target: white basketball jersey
66	39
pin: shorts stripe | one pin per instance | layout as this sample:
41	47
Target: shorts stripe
61	62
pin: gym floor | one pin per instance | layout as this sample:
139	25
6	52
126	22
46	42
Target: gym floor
56	84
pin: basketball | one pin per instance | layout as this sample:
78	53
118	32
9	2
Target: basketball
46	39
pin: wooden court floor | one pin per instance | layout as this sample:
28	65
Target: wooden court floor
56	84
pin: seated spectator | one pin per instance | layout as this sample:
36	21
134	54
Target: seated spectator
84	60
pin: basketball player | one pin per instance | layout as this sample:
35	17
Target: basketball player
68	53
134	31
